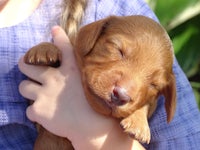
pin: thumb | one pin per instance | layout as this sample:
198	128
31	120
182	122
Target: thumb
60	39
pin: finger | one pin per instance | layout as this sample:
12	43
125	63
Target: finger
29	89
60	38
62	41
30	113
36	73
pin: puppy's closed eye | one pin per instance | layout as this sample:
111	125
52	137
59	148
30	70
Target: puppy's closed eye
115	51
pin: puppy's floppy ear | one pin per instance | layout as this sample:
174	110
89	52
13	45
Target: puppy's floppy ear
169	93
88	35
167	87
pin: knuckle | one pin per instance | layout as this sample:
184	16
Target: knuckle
54	78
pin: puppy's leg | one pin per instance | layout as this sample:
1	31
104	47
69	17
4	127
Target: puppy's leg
47	54
44	54
49	141
136	125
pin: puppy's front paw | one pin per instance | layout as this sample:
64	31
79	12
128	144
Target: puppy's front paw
45	54
137	128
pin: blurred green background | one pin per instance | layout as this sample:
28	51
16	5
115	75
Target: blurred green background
181	19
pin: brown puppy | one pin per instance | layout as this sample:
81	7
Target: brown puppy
126	64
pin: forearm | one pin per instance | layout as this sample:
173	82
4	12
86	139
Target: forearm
112	137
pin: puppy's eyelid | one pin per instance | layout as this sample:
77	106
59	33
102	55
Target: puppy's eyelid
153	85
121	52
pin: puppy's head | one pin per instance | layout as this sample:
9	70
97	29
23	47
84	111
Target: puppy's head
126	62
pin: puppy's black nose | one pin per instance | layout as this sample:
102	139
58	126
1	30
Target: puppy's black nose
119	96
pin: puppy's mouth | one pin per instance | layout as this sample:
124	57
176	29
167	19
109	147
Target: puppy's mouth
105	107
108	103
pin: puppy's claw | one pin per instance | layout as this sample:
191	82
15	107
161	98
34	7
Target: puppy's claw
136	130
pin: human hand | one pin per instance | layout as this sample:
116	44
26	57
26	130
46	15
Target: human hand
60	104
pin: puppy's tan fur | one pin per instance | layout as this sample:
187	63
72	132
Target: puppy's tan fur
133	53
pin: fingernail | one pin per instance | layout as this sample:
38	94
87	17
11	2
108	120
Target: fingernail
55	30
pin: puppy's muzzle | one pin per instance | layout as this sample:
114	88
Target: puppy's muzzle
119	96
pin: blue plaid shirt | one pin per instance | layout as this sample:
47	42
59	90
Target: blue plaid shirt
18	133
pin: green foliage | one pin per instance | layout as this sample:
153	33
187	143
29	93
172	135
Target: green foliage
181	18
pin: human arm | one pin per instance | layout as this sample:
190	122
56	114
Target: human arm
61	107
